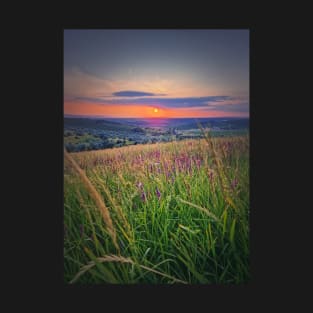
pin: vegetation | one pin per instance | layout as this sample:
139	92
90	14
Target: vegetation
83	134
175	212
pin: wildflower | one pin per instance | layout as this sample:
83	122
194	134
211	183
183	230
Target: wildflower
198	163
140	185
143	196
150	167
234	183
158	193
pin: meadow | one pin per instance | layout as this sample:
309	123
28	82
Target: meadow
163	213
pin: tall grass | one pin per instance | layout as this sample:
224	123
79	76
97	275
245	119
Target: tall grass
164	213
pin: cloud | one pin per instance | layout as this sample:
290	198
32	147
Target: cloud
227	107
132	93
221	103
79	83
162	102
84	88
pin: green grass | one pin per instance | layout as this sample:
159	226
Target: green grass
180	212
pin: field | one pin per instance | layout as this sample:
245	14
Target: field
163	213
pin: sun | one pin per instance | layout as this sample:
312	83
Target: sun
155	110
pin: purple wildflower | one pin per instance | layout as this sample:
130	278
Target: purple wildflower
143	196
198	163
140	185
158	193
234	183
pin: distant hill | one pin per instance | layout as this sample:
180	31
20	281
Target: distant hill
82	134
122	124
95	124
230	124
186	123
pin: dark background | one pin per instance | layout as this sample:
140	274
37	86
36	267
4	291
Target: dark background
278	265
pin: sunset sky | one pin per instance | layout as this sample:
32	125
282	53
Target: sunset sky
156	73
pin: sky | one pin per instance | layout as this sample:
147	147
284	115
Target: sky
172	73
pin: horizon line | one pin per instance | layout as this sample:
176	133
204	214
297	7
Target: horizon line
196	117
